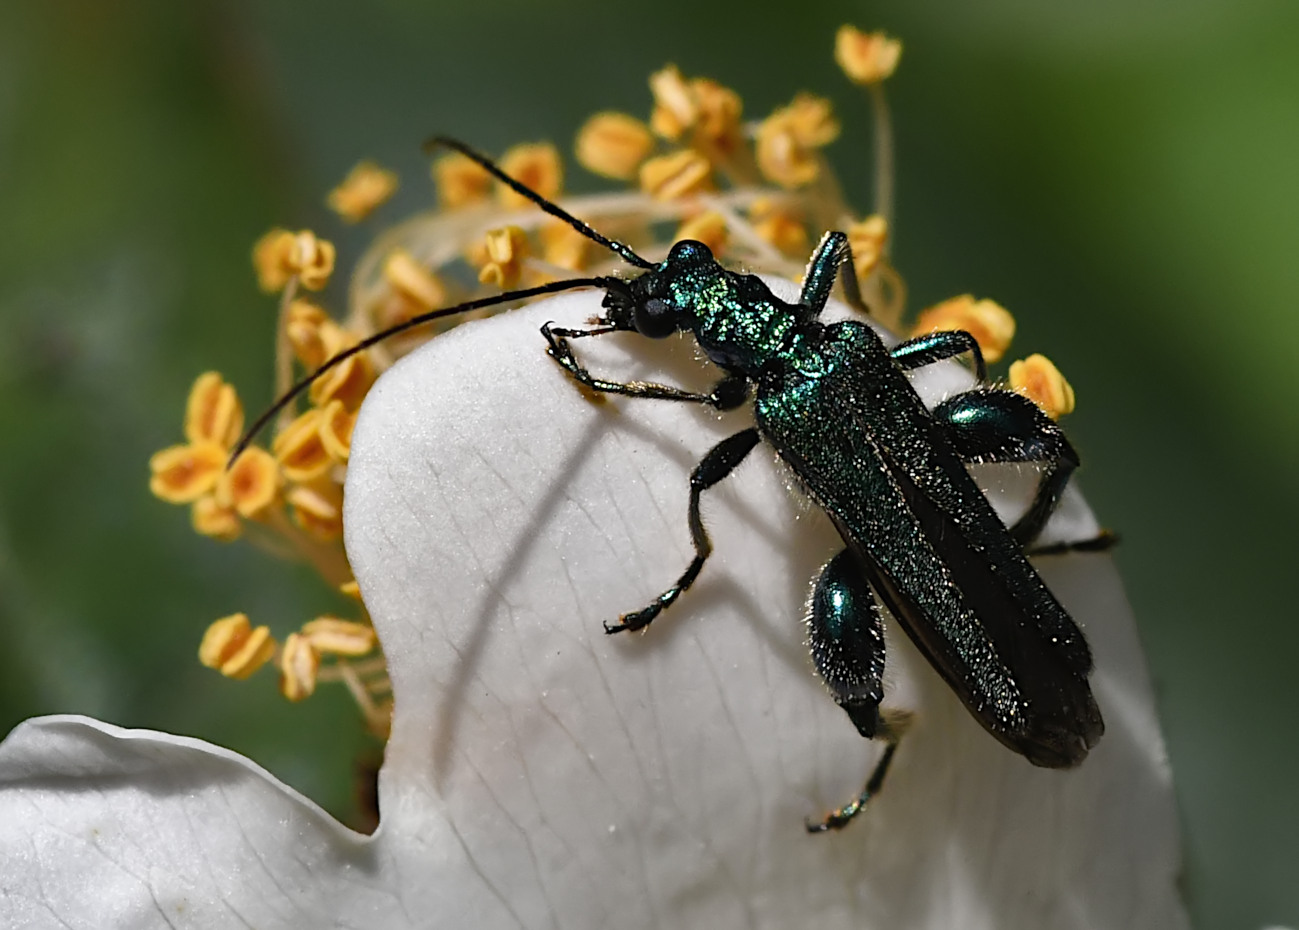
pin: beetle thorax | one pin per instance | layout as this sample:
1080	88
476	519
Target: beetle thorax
736	319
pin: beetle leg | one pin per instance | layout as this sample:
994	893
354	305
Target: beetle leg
892	726
934	347
716	465
846	633
832	254
989	425
730	391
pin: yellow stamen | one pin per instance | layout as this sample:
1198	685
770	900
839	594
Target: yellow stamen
811	121
680	174
987	321
535	165
232	647
349	380
313	260
271	260
717	127
280	255
300	449
564	246
365	187
251	485
1037	377
299	663
413	283
212	519
183	474
505	249
867	239
866	57
318	509
778	224
213	412
675	110
708	227
460	181
339	637
613	145
351	589
707	110
336	424
302	324
788	141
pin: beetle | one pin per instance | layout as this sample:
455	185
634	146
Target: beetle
835	404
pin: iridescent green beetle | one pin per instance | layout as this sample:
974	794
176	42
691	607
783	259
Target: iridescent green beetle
835	403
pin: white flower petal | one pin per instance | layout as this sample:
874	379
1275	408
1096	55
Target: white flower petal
495	518
542	774
106	827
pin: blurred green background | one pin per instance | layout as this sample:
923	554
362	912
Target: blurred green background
1123	175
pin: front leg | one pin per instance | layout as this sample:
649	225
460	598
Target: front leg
832	255
729	392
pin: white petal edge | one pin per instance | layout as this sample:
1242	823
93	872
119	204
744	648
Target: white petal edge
102	826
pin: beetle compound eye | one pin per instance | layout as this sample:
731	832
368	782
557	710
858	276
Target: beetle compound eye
656	318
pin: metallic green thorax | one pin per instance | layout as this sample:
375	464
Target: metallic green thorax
735	318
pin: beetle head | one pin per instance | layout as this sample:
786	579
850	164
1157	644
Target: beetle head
647	303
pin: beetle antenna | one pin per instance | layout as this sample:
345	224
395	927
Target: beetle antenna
287	397
623	250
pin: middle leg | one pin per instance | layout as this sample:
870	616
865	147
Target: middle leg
716	465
